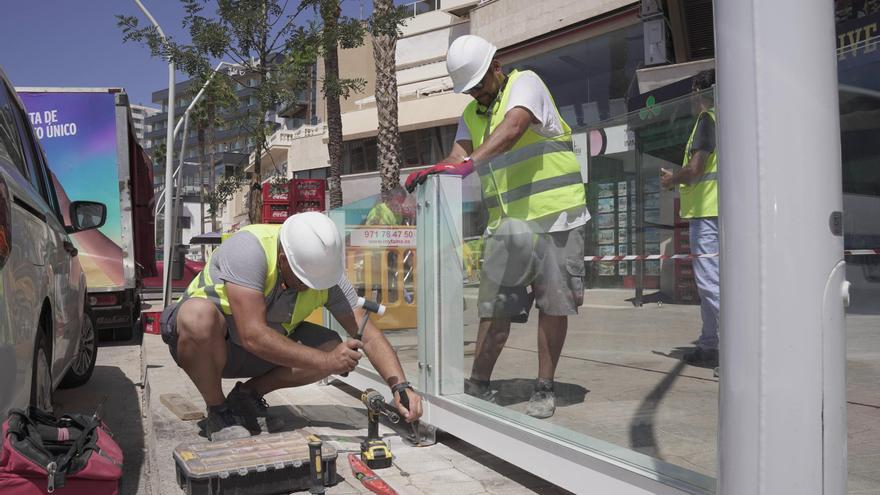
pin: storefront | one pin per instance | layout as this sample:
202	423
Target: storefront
858	62
630	416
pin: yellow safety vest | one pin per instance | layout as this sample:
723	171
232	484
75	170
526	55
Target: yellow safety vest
205	287
381	214
700	199
538	177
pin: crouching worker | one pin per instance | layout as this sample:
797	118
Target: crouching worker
243	317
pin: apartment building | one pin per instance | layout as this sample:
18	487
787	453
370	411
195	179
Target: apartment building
139	116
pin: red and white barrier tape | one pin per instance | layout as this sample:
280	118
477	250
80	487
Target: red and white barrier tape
641	257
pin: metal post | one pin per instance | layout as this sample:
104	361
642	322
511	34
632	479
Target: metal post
782	416
169	168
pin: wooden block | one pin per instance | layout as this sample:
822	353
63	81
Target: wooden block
182	407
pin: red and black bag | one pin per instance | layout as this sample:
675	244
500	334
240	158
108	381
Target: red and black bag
71	455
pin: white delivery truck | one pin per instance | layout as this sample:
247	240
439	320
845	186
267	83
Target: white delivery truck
89	140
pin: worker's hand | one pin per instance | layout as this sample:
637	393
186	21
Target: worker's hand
462	169
344	357
666	179
415	405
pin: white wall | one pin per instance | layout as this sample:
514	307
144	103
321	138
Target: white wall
307	153
508	22
429	44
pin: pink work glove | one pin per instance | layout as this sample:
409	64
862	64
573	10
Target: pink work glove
463	169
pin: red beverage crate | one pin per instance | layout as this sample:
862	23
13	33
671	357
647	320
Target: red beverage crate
275	213
150	321
307	195
273	194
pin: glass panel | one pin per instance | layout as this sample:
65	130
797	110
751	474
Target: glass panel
591	79
859	77
380	259
610	376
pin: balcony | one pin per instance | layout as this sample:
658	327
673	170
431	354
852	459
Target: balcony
459	7
413	9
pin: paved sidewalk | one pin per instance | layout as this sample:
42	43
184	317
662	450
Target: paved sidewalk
450	466
117	382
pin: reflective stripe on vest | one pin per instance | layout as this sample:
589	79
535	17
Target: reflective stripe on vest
306	302
700	199
537	177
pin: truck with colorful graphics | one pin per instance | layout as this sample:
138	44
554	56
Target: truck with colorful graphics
89	139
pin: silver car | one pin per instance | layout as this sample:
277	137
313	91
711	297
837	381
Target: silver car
46	334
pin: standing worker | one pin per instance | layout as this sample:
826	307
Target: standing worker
243	316
699	203
514	137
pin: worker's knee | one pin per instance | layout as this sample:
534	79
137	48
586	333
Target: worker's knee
200	321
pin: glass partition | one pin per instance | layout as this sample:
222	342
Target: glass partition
380	259
859	78
621	388
619	385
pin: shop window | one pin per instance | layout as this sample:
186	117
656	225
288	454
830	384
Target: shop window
590	79
410	149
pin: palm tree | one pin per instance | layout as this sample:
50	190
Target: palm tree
330	12
388	141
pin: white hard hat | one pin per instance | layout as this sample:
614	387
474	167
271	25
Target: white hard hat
468	60
313	248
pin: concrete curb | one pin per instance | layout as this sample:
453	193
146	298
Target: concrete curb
152	470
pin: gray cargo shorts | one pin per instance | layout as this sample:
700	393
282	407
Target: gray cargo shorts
239	362
544	268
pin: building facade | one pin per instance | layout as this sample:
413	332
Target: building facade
139	116
231	147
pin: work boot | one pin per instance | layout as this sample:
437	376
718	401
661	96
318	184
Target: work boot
481	390
249	406
543	401
223	424
705	358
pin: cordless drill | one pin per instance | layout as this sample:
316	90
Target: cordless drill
374	450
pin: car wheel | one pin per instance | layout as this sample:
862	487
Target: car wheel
84	362
41	380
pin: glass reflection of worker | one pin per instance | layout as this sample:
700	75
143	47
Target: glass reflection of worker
699	204
514	137
390	210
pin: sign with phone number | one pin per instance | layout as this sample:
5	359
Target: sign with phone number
383	237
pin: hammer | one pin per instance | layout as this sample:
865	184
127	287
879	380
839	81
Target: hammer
370	307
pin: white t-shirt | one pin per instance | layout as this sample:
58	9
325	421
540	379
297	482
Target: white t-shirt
529	92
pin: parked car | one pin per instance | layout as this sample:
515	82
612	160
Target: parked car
47	337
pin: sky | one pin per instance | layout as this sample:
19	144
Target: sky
76	43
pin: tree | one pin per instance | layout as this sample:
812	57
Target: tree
385	24
334	33
254	34
218	98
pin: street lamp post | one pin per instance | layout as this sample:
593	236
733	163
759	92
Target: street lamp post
171	187
169	168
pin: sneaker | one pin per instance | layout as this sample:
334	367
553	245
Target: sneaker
542	404
249	406
707	358
481	390
223	424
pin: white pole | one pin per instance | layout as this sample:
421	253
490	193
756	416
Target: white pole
169	168
782	416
